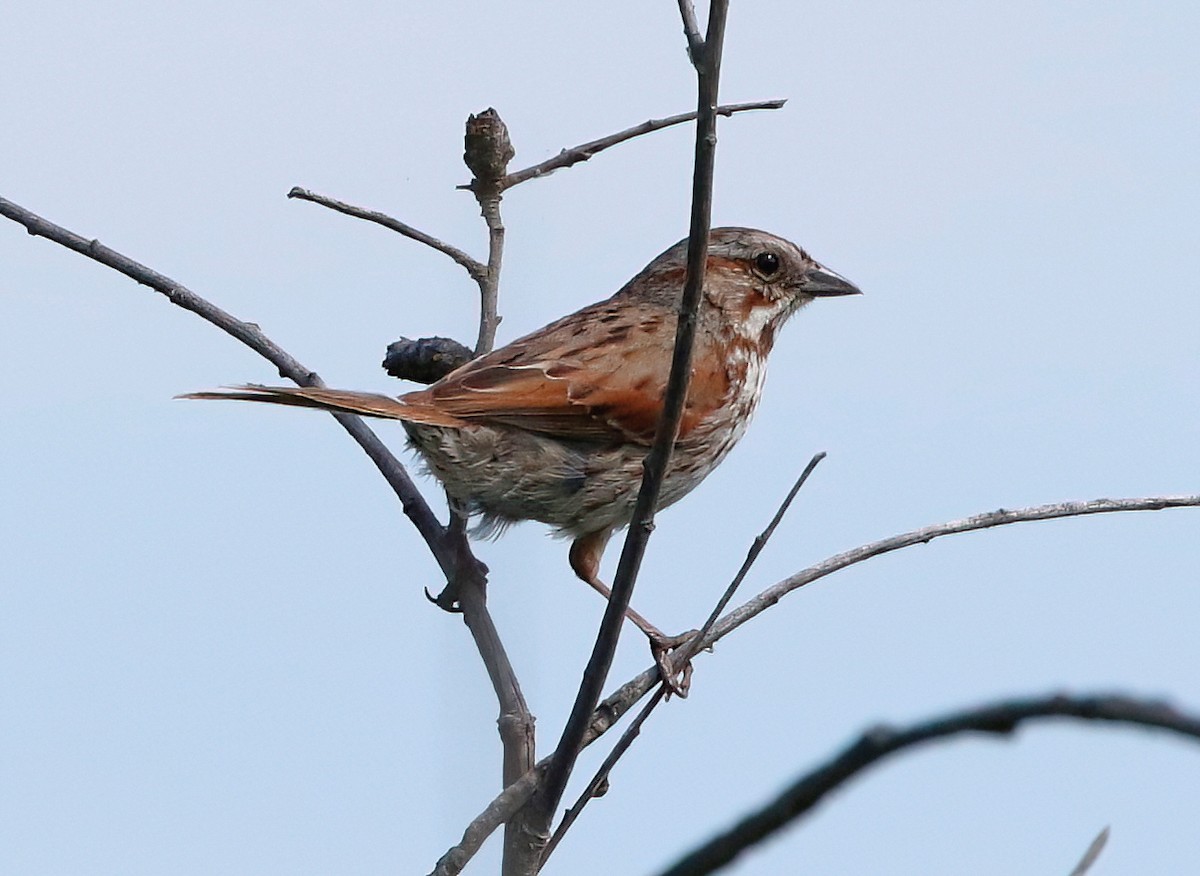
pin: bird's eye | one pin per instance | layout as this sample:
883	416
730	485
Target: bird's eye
766	263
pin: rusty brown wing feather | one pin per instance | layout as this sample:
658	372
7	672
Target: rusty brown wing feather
598	374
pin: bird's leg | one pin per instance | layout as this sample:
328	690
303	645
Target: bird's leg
585	557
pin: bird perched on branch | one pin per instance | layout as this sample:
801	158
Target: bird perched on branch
554	426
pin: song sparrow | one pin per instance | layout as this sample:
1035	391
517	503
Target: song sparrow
554	426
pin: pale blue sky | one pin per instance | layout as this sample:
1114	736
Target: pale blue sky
215	654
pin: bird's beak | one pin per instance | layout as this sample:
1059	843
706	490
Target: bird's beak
823	283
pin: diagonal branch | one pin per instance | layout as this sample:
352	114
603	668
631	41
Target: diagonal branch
584	151
476	269
1091	853
252	336
448	545
1000	517
691	29
654	468
686	652
600	779
621	700
692	648
617	704
878	743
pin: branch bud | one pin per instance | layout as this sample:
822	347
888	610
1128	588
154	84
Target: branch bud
425	360
488	149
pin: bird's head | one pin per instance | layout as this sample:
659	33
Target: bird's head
753	282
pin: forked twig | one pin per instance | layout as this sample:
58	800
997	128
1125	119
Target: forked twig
692	647
252	336
591	790
685	654
448	545
617	704
584	151
691	30
654	468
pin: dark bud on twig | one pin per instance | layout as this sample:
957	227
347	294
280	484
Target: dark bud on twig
425	360
488	149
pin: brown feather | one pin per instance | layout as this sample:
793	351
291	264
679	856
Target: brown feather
555	383
367	404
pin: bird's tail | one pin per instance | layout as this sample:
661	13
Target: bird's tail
367	404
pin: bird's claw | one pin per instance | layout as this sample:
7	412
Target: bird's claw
678	679
446	600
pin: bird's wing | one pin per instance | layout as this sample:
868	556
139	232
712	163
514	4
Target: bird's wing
599	374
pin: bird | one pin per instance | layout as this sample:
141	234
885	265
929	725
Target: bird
554	426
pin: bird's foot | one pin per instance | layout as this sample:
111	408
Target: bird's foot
678	679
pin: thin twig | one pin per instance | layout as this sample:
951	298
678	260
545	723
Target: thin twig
617	704
489	319
1092	854
584	151
1000	517
252	336
487	150
680	659
691	29
878	743
475	268
692	646
590	791
498	812
546	801
449	548
621	700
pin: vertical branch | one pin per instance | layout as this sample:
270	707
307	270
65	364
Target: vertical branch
680	658
546	800
487	153
489	319
465	575
691	29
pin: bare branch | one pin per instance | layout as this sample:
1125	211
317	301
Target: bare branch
617	704
476	269
1092	854
622	700
546	800
693	647
685	654
516	721
584	151
878	743
489	287
601	777
1001	517
691	29
487	152
449	546
467	592
249	334
540	810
